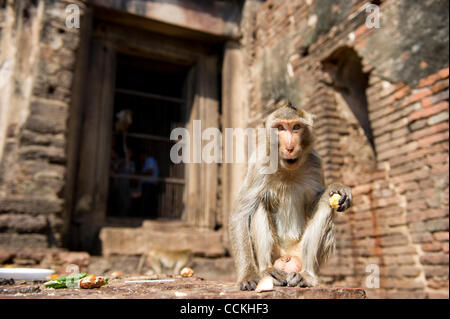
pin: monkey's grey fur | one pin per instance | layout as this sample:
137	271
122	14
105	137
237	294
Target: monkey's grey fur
284	213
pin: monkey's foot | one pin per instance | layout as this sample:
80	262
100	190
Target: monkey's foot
278	276
248	284
303	280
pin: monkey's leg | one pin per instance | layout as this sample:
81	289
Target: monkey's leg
263	239
156	265
179	265
317	243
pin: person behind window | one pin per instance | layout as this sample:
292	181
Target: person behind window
150	186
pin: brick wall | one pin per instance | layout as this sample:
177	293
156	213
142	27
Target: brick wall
399	220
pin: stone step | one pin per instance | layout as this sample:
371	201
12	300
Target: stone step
221	269
161	235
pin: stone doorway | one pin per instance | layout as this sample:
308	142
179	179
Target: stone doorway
163	82
149	101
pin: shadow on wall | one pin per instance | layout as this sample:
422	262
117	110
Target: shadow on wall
348	79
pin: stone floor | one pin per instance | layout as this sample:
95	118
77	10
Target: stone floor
177	288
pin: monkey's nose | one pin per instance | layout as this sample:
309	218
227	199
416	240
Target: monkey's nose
289	149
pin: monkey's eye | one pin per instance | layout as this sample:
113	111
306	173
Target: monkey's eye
297	127
280	127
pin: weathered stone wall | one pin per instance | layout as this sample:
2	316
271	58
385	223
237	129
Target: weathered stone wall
399	220
37	62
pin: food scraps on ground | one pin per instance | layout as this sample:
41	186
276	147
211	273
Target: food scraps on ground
81	280
93	281
51	277
288	264
187	272
334	200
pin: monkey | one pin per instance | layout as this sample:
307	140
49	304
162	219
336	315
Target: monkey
124	120
287	212
174	260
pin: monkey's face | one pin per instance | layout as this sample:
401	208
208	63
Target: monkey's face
290	146
295	137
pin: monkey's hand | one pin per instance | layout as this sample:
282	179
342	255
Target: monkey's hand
345	192
301	279
278	276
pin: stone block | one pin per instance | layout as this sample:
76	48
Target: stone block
137	241
23	223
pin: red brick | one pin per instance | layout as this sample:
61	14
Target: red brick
443	73
436	224
402	93
417	155
428	80
429	130
439	169
426	215
429	101
433	139
437	284
434	259
441	236
360	30
435	271
417	96
439	86
431	247
424	237
437	159
426	112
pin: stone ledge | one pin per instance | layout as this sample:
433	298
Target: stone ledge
137	241
181	288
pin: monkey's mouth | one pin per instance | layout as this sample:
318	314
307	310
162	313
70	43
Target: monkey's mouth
290	160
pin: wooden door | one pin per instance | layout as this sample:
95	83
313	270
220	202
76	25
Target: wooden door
92	180
202	178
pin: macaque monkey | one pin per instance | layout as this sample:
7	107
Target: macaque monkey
287	212
174	260
124	120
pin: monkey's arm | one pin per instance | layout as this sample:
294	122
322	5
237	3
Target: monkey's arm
318	240
247	202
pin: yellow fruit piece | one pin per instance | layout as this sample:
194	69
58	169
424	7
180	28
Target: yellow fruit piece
334	200
187	272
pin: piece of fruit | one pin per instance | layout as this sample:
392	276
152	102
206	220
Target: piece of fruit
187	272
334	200
265	284
93	281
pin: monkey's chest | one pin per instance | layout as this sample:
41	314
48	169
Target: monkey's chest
289	218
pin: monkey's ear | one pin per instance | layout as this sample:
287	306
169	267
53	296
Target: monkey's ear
309	118
289	105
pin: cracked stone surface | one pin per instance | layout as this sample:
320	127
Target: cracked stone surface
179	288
